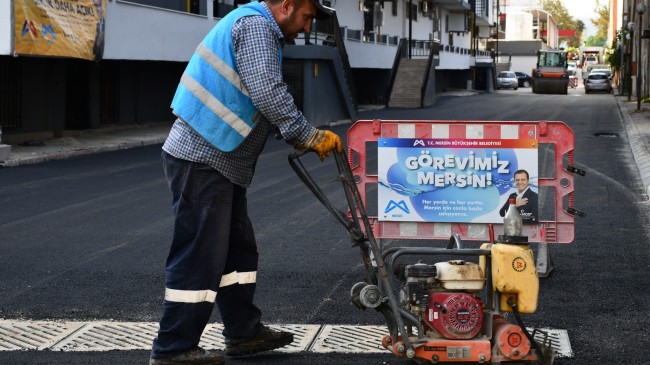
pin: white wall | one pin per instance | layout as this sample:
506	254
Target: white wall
519	26
138	32
348	14
420	28
368	55
455	61
394	24
377	55
6	28
523	63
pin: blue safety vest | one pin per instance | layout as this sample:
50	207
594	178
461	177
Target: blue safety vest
211	97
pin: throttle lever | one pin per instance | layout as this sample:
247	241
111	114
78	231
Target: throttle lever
575	170
576	212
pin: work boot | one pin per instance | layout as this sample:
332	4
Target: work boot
267	339
196	355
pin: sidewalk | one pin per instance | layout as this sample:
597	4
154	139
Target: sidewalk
77	143
637	125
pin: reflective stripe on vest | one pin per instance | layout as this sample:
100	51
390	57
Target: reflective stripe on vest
211	97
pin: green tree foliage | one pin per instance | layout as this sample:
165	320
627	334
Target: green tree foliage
593	41
576	41
565	21
613	56
601	22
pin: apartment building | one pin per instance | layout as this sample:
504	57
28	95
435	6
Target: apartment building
525	28
630	17
351	59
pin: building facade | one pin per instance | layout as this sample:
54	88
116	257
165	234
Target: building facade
342	63
525	28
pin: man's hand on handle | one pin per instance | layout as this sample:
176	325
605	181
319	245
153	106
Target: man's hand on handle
323	142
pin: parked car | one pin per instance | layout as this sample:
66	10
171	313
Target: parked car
605	71
598	81
523	79
507	79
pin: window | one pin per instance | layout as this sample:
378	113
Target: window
412	12
394	7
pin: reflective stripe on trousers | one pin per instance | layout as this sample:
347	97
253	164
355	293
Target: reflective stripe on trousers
212	236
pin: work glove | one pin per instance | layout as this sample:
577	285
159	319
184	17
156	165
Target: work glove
323	142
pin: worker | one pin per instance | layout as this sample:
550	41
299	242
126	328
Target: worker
230	97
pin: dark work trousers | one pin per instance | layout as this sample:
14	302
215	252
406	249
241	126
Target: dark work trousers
213	255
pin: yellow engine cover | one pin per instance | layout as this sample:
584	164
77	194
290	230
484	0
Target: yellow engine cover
514	276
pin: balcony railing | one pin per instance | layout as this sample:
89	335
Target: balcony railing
481	8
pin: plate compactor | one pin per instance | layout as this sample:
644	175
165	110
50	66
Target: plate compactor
443	312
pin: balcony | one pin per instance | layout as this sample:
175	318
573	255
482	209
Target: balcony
455	58
454	5
370	50
482	10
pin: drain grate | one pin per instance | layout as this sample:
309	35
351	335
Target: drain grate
350	339
104	336
28	335
125	336
559	340
303	335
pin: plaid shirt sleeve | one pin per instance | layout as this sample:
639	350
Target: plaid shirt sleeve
257	45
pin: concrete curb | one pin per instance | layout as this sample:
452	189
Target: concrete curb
40	158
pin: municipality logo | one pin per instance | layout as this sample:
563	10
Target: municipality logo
418	142
29	28
401	206
47	32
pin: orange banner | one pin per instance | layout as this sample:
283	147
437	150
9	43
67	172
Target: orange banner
63	28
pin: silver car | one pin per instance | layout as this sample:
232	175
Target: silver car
598	81
507	79
605	71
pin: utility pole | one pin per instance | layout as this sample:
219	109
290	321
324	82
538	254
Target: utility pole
410	26
640	9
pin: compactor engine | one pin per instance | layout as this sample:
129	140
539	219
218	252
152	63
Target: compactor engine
452	302
444	296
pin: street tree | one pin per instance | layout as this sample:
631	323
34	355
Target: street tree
565	21
601	21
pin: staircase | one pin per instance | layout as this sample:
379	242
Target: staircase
407	87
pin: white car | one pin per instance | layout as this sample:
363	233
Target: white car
507	79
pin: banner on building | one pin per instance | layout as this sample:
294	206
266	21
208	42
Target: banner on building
448	180
61	28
